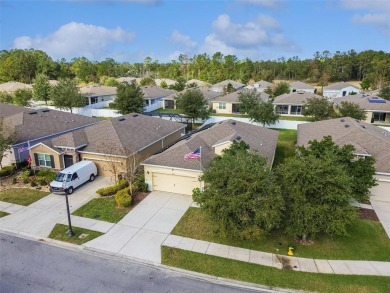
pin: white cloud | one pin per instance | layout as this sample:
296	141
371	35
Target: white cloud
247	38
265	3
374	12
77	39
184	40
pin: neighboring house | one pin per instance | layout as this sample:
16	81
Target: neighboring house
153	96
98	96
368	140
262	85
112	144
168	171
169	102
33	126
376	108
167	81
229	103
13	86
128	79
292	104
222	86
299	86
340	89
199	83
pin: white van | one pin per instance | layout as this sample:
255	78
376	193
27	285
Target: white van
73	176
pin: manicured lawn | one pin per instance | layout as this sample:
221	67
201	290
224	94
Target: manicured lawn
367	241
3	214
103	209
296	118
173	111
285	147
230	115
22	196
269	276
59	232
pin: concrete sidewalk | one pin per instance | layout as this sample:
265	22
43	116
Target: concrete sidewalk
380	201
142	231
342	267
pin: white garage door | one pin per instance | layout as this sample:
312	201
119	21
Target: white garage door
174	183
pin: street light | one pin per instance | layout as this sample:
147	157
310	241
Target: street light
70	232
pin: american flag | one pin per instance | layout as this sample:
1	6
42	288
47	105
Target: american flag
196	154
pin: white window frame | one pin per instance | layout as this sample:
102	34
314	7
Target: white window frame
222	106
44	159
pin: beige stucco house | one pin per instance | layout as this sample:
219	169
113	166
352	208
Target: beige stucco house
230	104
169	102
368	140
112	144
292	104
169	171
376	108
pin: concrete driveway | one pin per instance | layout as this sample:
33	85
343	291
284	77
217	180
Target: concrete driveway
40	217
142	231
380	201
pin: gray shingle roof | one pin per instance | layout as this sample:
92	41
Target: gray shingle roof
99	90
301	85
234	96
339	86
208	95
119	136
31	124
296	98
363	100
154	92
262	84
366	138
261	139
235	84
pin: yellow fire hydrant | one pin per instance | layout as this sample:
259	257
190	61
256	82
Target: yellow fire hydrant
290	251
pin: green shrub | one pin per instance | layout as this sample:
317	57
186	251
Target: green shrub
14	180
111	190
33	184
26	180
26	173
7	170
141	184
41	180
46	174
123	198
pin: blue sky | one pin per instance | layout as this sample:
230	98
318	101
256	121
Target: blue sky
130	30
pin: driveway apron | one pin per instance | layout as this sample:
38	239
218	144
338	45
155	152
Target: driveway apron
142	231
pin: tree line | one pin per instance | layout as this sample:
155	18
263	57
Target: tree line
370	67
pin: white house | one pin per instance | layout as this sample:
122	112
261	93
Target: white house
340	89
299	86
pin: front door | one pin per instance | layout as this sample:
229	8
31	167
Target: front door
68	159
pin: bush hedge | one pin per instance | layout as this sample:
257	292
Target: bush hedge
7	170
111	190
46	174
123	197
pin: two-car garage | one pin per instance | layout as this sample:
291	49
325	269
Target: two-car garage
171	180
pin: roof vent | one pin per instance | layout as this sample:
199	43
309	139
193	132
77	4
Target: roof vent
342	120
45	110
238	137
121	119
234	123
346	125
31	113
135	115
363	126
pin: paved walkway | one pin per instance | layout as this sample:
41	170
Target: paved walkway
380	201
342	267
142	231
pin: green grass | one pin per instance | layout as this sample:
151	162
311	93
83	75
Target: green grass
22	196
285	147
103	209
296	118
59	232
172	111
247	272
367	241
102	117
230	115
3	214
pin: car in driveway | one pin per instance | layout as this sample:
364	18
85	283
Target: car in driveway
73	176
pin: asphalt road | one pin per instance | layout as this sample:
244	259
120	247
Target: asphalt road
33	266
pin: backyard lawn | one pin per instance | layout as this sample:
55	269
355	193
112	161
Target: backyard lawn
248	272
367	240
3	214
171	111
285	147
22	196
59	232
103	209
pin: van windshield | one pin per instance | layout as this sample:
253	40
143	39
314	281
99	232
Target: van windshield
61	177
